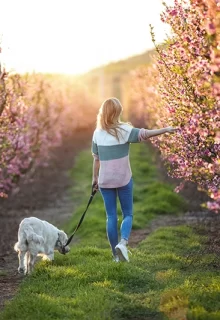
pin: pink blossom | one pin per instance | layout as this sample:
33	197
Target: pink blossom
211	28
187	94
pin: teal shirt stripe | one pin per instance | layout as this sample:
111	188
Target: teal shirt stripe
133	137
113	152
94	148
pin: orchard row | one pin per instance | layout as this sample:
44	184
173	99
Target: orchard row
37	113
182	88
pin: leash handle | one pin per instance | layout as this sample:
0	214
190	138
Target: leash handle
93	186
83	215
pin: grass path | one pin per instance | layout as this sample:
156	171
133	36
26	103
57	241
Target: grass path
159	283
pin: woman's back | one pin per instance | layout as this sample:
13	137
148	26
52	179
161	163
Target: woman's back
113	154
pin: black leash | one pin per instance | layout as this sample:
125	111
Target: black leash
82	217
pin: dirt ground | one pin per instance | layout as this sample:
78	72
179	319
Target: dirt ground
49	198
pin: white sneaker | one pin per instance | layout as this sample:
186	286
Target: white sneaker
122	252
116	258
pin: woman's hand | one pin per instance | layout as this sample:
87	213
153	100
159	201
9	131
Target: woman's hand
95	186
171	129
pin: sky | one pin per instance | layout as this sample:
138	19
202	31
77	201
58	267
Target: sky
74	36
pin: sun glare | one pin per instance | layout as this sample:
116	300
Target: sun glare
73	36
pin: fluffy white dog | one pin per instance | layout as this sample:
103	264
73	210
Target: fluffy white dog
38	238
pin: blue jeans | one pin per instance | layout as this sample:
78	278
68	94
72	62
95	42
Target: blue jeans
125	195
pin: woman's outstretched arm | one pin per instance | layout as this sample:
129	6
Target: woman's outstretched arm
156	132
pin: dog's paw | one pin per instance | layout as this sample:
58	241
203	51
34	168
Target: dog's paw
21	270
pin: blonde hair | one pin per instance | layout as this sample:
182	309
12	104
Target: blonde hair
108	117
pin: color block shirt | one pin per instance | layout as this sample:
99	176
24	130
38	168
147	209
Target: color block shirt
115	170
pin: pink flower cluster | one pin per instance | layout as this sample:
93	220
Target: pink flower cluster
186	94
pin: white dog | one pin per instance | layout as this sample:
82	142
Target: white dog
38	238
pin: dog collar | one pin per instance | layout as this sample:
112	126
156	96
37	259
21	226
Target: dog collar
59	244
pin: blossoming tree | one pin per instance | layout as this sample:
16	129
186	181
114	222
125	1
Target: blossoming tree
187	88
36	114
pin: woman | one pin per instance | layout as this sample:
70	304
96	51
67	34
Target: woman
111	170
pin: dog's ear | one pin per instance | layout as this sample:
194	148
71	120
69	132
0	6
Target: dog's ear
62	237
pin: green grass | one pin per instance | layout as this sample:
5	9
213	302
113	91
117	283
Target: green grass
159	283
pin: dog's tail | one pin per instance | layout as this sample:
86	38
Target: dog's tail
26	236
20	246
16	247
